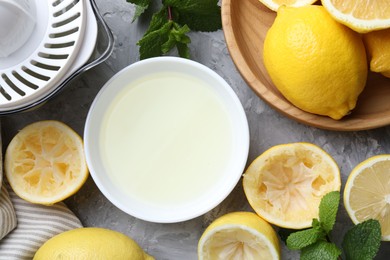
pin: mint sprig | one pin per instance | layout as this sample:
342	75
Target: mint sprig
361	242
169	27
159	42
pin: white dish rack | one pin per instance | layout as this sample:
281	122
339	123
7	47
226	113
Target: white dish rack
62	46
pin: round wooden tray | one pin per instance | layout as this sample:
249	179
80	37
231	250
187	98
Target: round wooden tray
245	24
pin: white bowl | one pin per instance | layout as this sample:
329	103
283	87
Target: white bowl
168	198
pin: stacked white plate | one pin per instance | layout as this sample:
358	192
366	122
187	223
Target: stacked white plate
57	48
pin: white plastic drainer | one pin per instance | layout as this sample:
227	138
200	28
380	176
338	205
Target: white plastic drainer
34	70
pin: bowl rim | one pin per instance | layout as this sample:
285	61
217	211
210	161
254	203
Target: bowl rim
205	205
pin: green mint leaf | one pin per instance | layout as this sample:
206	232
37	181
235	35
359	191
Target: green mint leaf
304	238
177	37
162	40
183	50
362	241
198	15
159	19
321	250
168	27
176	34
328	210
141	7
179	32
316	224
150	44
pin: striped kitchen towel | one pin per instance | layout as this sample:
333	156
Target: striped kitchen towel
7	213
36	224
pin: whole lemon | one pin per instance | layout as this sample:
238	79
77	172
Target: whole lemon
318	64
91	243
378	48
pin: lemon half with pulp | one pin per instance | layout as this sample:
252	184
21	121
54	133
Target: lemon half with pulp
45	162
360	15
286	183
367	192
239	235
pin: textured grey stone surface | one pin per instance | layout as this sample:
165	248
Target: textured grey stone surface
267	128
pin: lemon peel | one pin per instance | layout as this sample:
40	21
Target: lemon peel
91	243
378	48
318	64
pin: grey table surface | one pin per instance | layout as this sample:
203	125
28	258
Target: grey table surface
267	128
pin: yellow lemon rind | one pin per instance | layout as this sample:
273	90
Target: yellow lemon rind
299	54
377	45
91	243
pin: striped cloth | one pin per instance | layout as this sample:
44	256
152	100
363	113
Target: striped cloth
7	213
36	224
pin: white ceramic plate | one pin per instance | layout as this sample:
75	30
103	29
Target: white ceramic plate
220	189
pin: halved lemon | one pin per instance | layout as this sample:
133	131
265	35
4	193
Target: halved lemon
239	235
360	15
275	4
45	162
286	183
367	192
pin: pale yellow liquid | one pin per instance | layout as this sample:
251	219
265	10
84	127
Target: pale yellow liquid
166	140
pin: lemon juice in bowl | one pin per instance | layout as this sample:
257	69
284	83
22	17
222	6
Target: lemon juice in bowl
166	139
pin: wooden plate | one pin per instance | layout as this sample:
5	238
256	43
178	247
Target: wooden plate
245	24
